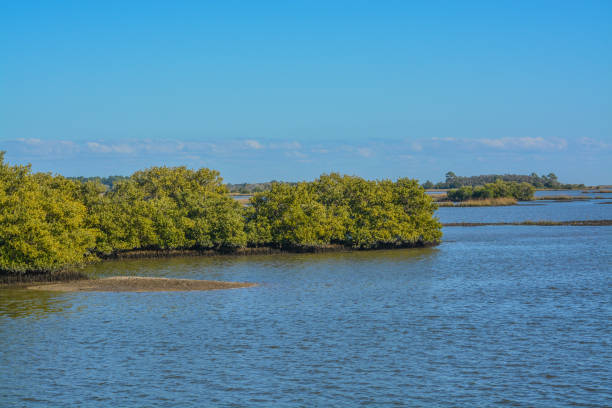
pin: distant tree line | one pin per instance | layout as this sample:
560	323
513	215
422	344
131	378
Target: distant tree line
49	222
241	188
544	181
250	188
106	181
452	181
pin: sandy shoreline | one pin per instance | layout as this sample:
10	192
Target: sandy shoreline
138	284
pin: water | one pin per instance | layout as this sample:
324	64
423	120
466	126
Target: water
495	316
532	211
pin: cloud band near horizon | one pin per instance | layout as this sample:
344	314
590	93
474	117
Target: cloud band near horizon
270	159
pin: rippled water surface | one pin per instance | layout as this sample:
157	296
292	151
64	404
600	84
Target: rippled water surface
539	210
495	316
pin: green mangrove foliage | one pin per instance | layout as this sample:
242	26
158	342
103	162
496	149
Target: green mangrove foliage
49	223
343	210
166	208
42	221
499	189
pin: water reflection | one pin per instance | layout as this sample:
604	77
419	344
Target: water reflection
20	303
529	211
229	266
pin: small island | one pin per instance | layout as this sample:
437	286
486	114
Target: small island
51	225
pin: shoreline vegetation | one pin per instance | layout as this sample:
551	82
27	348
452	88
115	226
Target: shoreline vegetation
53	225
563	198
541	183
264	250
485	202
597	191
50	226
575	223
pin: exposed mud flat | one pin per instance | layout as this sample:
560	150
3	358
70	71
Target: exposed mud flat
138	284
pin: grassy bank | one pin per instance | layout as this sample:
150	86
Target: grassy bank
563	198
569	198
597	191
440	197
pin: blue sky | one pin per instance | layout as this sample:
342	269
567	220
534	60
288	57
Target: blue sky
290	90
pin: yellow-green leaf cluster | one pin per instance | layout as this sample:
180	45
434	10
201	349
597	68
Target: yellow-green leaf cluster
344	210
42	221
168	208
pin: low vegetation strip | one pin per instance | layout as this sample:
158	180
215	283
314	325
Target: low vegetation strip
487	202
563	198
138	284
582	223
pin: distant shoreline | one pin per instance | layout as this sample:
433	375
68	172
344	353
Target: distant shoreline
580	223
263	250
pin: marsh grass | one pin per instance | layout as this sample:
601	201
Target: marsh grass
440	197
604	191
563	198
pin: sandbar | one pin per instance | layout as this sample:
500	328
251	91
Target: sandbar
138	284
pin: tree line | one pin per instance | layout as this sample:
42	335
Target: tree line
544	181
498	189
49	222
239	188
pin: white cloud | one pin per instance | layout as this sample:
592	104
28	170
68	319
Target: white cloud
253	144
594	144
524	143
416	146
296	154
320	150
499	144
98	148
123	148
286	145
30	141
364	152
